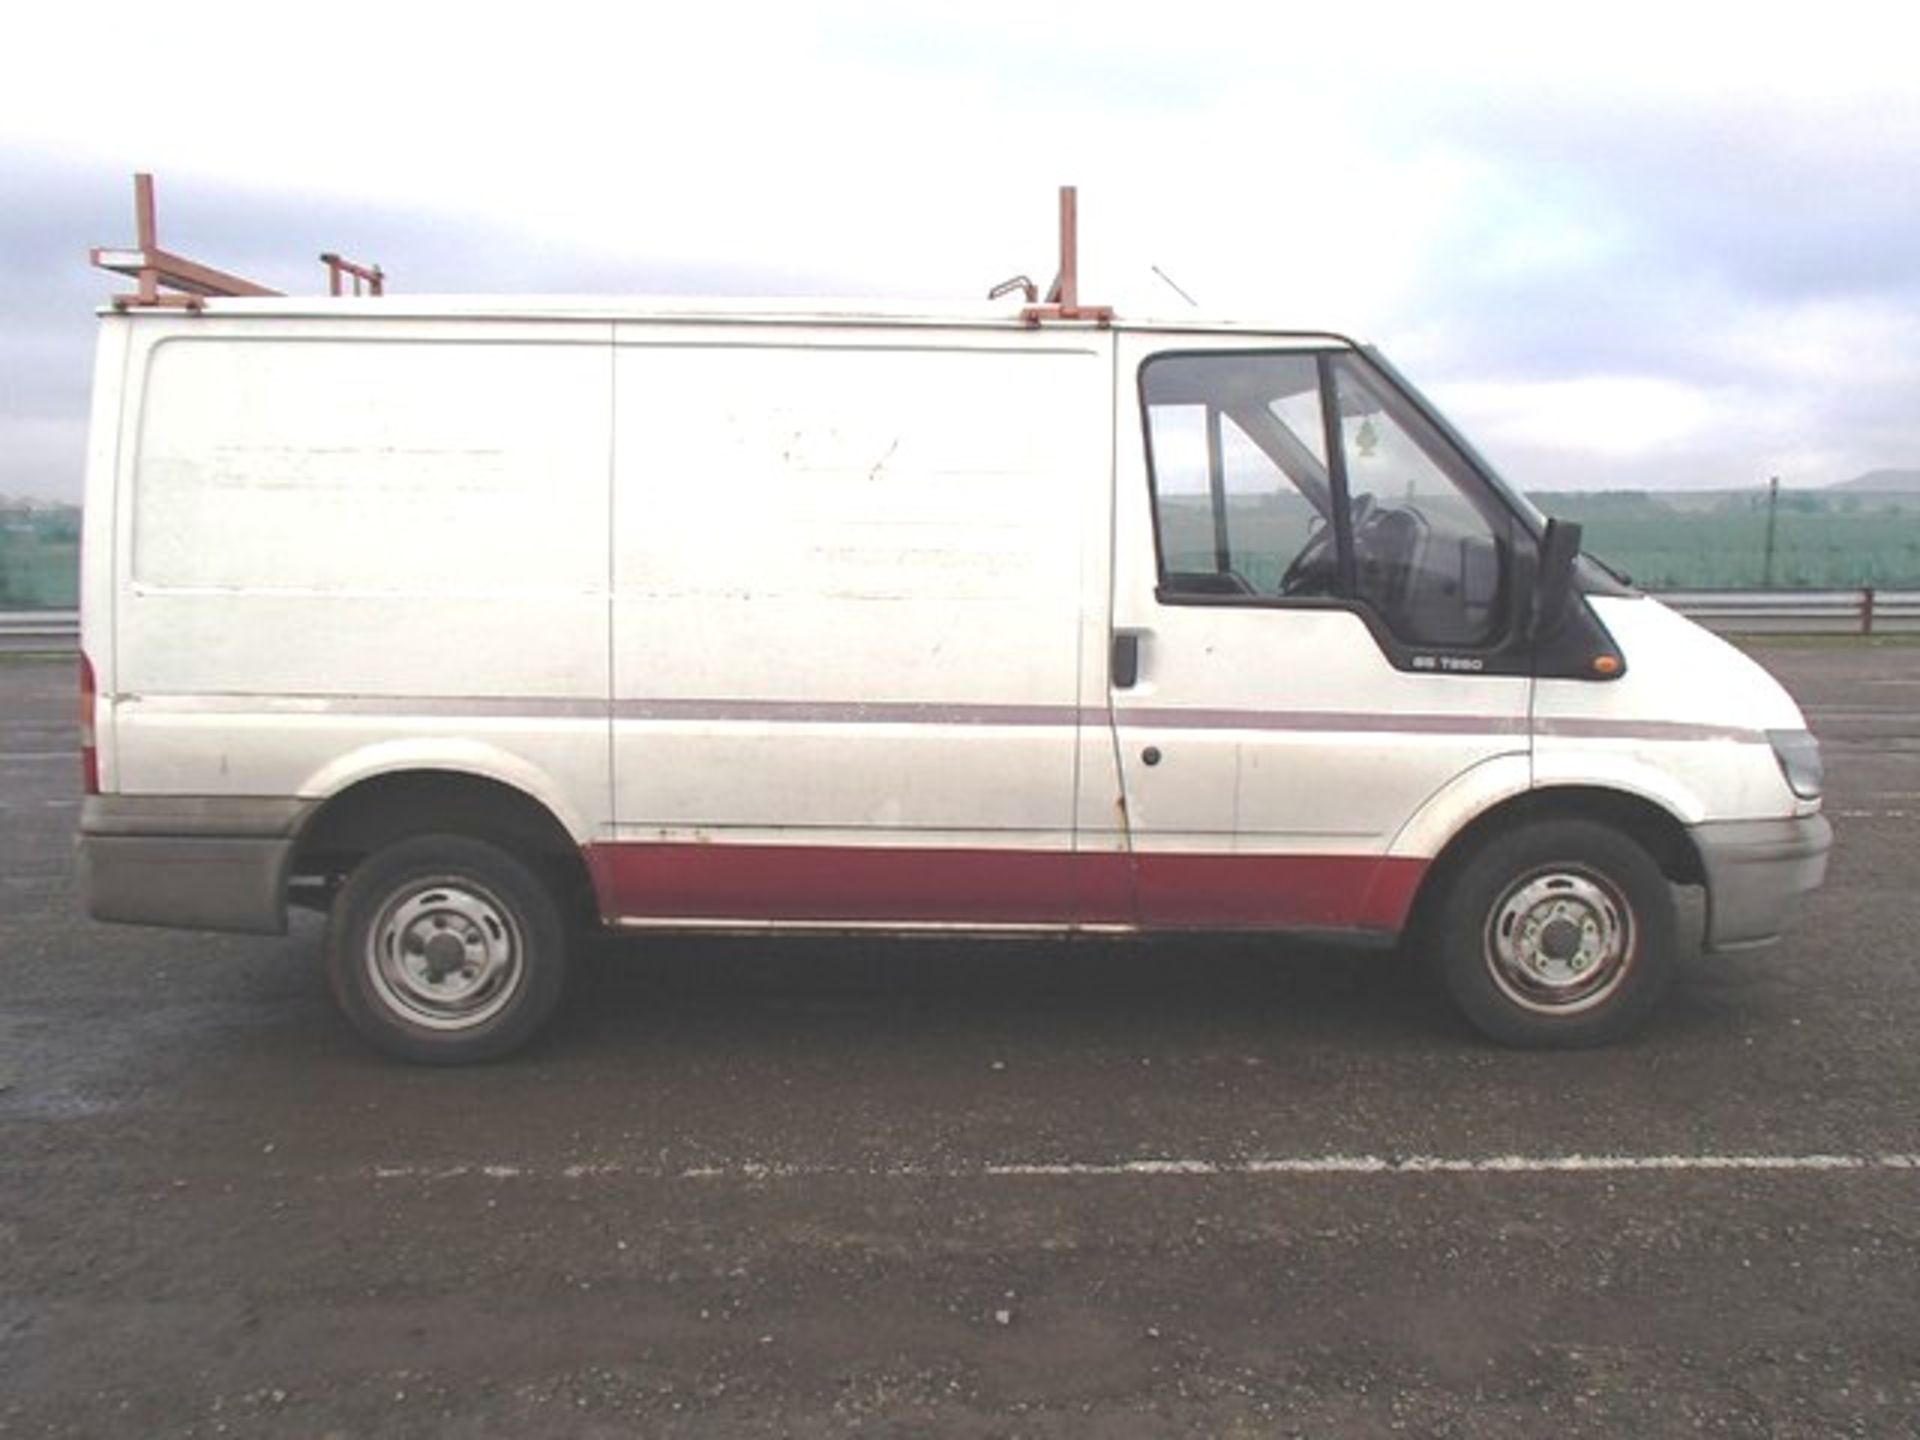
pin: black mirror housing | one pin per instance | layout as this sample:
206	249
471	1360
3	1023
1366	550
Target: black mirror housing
1553	578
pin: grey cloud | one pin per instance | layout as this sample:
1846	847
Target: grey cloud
1764	205
1595	319
1706	227
1776	209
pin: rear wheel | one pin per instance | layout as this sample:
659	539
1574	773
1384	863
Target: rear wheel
1558	933
446	950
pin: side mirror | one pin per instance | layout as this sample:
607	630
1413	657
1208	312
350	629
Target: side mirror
1553	578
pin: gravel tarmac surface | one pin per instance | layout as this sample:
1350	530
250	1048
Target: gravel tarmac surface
980	1189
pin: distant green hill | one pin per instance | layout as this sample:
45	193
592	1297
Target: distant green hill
1880	482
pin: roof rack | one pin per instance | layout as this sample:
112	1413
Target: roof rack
1063	297
166	279
367	279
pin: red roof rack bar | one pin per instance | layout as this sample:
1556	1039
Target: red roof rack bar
367	279
1063	300
158	271
166	279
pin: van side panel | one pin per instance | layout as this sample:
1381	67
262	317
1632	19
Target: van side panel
346	548
849	610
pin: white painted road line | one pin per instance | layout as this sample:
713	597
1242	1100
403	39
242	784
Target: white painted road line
1873	814
1488	1165
1154	1169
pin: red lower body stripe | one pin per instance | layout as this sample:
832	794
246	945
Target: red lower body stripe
1287	892
827	883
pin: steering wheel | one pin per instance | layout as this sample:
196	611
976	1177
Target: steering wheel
1316	556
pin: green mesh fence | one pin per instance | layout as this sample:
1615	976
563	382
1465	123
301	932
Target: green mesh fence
1718	540
39	558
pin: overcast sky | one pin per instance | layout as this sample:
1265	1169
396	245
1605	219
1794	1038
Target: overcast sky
1624	245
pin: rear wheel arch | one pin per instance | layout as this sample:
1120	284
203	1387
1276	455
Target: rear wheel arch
382	810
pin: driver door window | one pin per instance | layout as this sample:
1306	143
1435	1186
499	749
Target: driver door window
1247	505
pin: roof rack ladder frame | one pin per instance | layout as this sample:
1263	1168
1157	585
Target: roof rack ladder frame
163	278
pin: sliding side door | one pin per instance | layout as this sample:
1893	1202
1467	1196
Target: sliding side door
850	629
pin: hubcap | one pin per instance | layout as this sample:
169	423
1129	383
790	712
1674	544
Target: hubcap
1560	941
445	954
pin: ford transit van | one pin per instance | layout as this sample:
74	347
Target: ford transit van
475	622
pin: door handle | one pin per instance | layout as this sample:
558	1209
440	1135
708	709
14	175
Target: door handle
1125	663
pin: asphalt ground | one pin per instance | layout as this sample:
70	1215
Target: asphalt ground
898	1188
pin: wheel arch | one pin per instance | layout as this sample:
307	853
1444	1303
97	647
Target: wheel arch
1657	830
381	808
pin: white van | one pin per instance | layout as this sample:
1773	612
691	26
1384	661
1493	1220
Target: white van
470	621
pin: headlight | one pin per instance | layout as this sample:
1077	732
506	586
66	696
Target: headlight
1799	756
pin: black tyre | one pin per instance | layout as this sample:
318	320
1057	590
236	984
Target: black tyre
1557	933
446	950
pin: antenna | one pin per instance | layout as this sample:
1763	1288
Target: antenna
1174	285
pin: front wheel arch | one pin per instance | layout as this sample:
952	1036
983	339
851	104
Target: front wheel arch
1656	830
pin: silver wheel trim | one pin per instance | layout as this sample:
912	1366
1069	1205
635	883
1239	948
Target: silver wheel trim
444	953
1560	941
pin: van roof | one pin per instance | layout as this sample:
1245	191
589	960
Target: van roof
683	308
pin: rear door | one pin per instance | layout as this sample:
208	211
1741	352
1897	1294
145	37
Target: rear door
1312	610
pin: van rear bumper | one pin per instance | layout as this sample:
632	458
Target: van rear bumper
192	862
1757	870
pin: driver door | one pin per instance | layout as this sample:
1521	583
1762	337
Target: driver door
1271	735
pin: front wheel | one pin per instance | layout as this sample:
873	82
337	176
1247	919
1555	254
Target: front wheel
444	949
1558	933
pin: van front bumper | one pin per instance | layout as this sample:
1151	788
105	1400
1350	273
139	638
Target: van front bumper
191	862
1757	870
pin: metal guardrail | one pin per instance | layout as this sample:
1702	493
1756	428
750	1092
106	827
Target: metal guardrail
37	630
1752	612
1866	611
